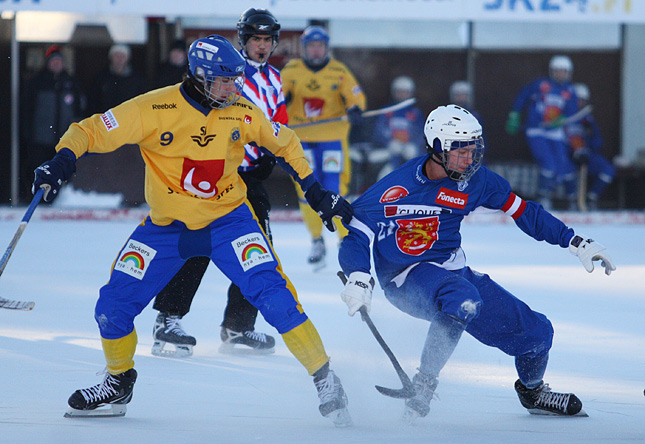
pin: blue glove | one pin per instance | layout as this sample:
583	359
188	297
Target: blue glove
328	204
51	174
355	116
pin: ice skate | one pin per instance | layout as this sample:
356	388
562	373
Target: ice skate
318	252
333	400
105	399
543	401
246	342
419	405
168	330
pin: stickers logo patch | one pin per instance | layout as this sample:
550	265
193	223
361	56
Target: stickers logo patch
414	236
251	250
200	176
135	259
451	198
247	118
412	210
393	194
331	161
313	107
276	128
109	120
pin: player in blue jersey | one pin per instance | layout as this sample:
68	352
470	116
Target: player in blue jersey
400	131
412	220
548	102
258	36
585	142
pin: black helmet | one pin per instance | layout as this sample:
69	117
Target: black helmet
257	21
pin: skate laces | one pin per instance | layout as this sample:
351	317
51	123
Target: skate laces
252	334
101	391
174	326
328	389
552	399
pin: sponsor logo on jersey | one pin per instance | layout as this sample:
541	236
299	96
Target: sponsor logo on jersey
203	139
247	119
313	85
413	210
451	198
331	161
393	194
276	129
356	90
109	120
229	118
165	106
313	107
200	176
415	236
251	250
135	259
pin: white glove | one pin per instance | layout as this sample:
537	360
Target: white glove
588	250
358	292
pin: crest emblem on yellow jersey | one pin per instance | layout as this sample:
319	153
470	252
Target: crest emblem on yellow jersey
203	139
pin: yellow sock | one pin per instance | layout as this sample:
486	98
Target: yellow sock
305	344
119	353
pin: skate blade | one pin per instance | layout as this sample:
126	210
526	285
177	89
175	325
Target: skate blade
107	411
317	266
180	351
539	412
340	418
409	415
231	349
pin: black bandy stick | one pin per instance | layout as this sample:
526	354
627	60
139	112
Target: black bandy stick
408	388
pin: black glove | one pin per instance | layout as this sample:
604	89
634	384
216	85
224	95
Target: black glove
581	156
264	168
328	204
51	174
355	116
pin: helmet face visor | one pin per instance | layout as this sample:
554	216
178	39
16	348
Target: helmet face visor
462	158
221	92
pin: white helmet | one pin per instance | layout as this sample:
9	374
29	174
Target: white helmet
561	62
461	88
582	91
449	128
404	83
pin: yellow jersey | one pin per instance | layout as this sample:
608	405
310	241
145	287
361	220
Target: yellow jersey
319	95
191	153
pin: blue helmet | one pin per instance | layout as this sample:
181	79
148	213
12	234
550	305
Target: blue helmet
315	34
216	69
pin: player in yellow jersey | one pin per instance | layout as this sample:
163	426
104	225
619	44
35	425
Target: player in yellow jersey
317	87
192	138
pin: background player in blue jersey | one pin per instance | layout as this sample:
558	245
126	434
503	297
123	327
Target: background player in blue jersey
400	131
548	102
258	35
586	142
412	220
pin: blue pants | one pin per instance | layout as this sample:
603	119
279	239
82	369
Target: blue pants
489	313
552	156
603	173
326	160
154	254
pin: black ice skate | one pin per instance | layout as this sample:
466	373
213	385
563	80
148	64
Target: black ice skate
251	342
318	253
419	404
333	400
168	330
543	401
113	394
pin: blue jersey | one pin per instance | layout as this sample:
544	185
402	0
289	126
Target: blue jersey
585	134
546	101
263	87
410	219
404	125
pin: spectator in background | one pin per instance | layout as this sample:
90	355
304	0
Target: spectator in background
549	101
461	94
401	131
585	141
120	82
52	101
172	71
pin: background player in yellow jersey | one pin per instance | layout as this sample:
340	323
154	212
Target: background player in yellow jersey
317	87
192	136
